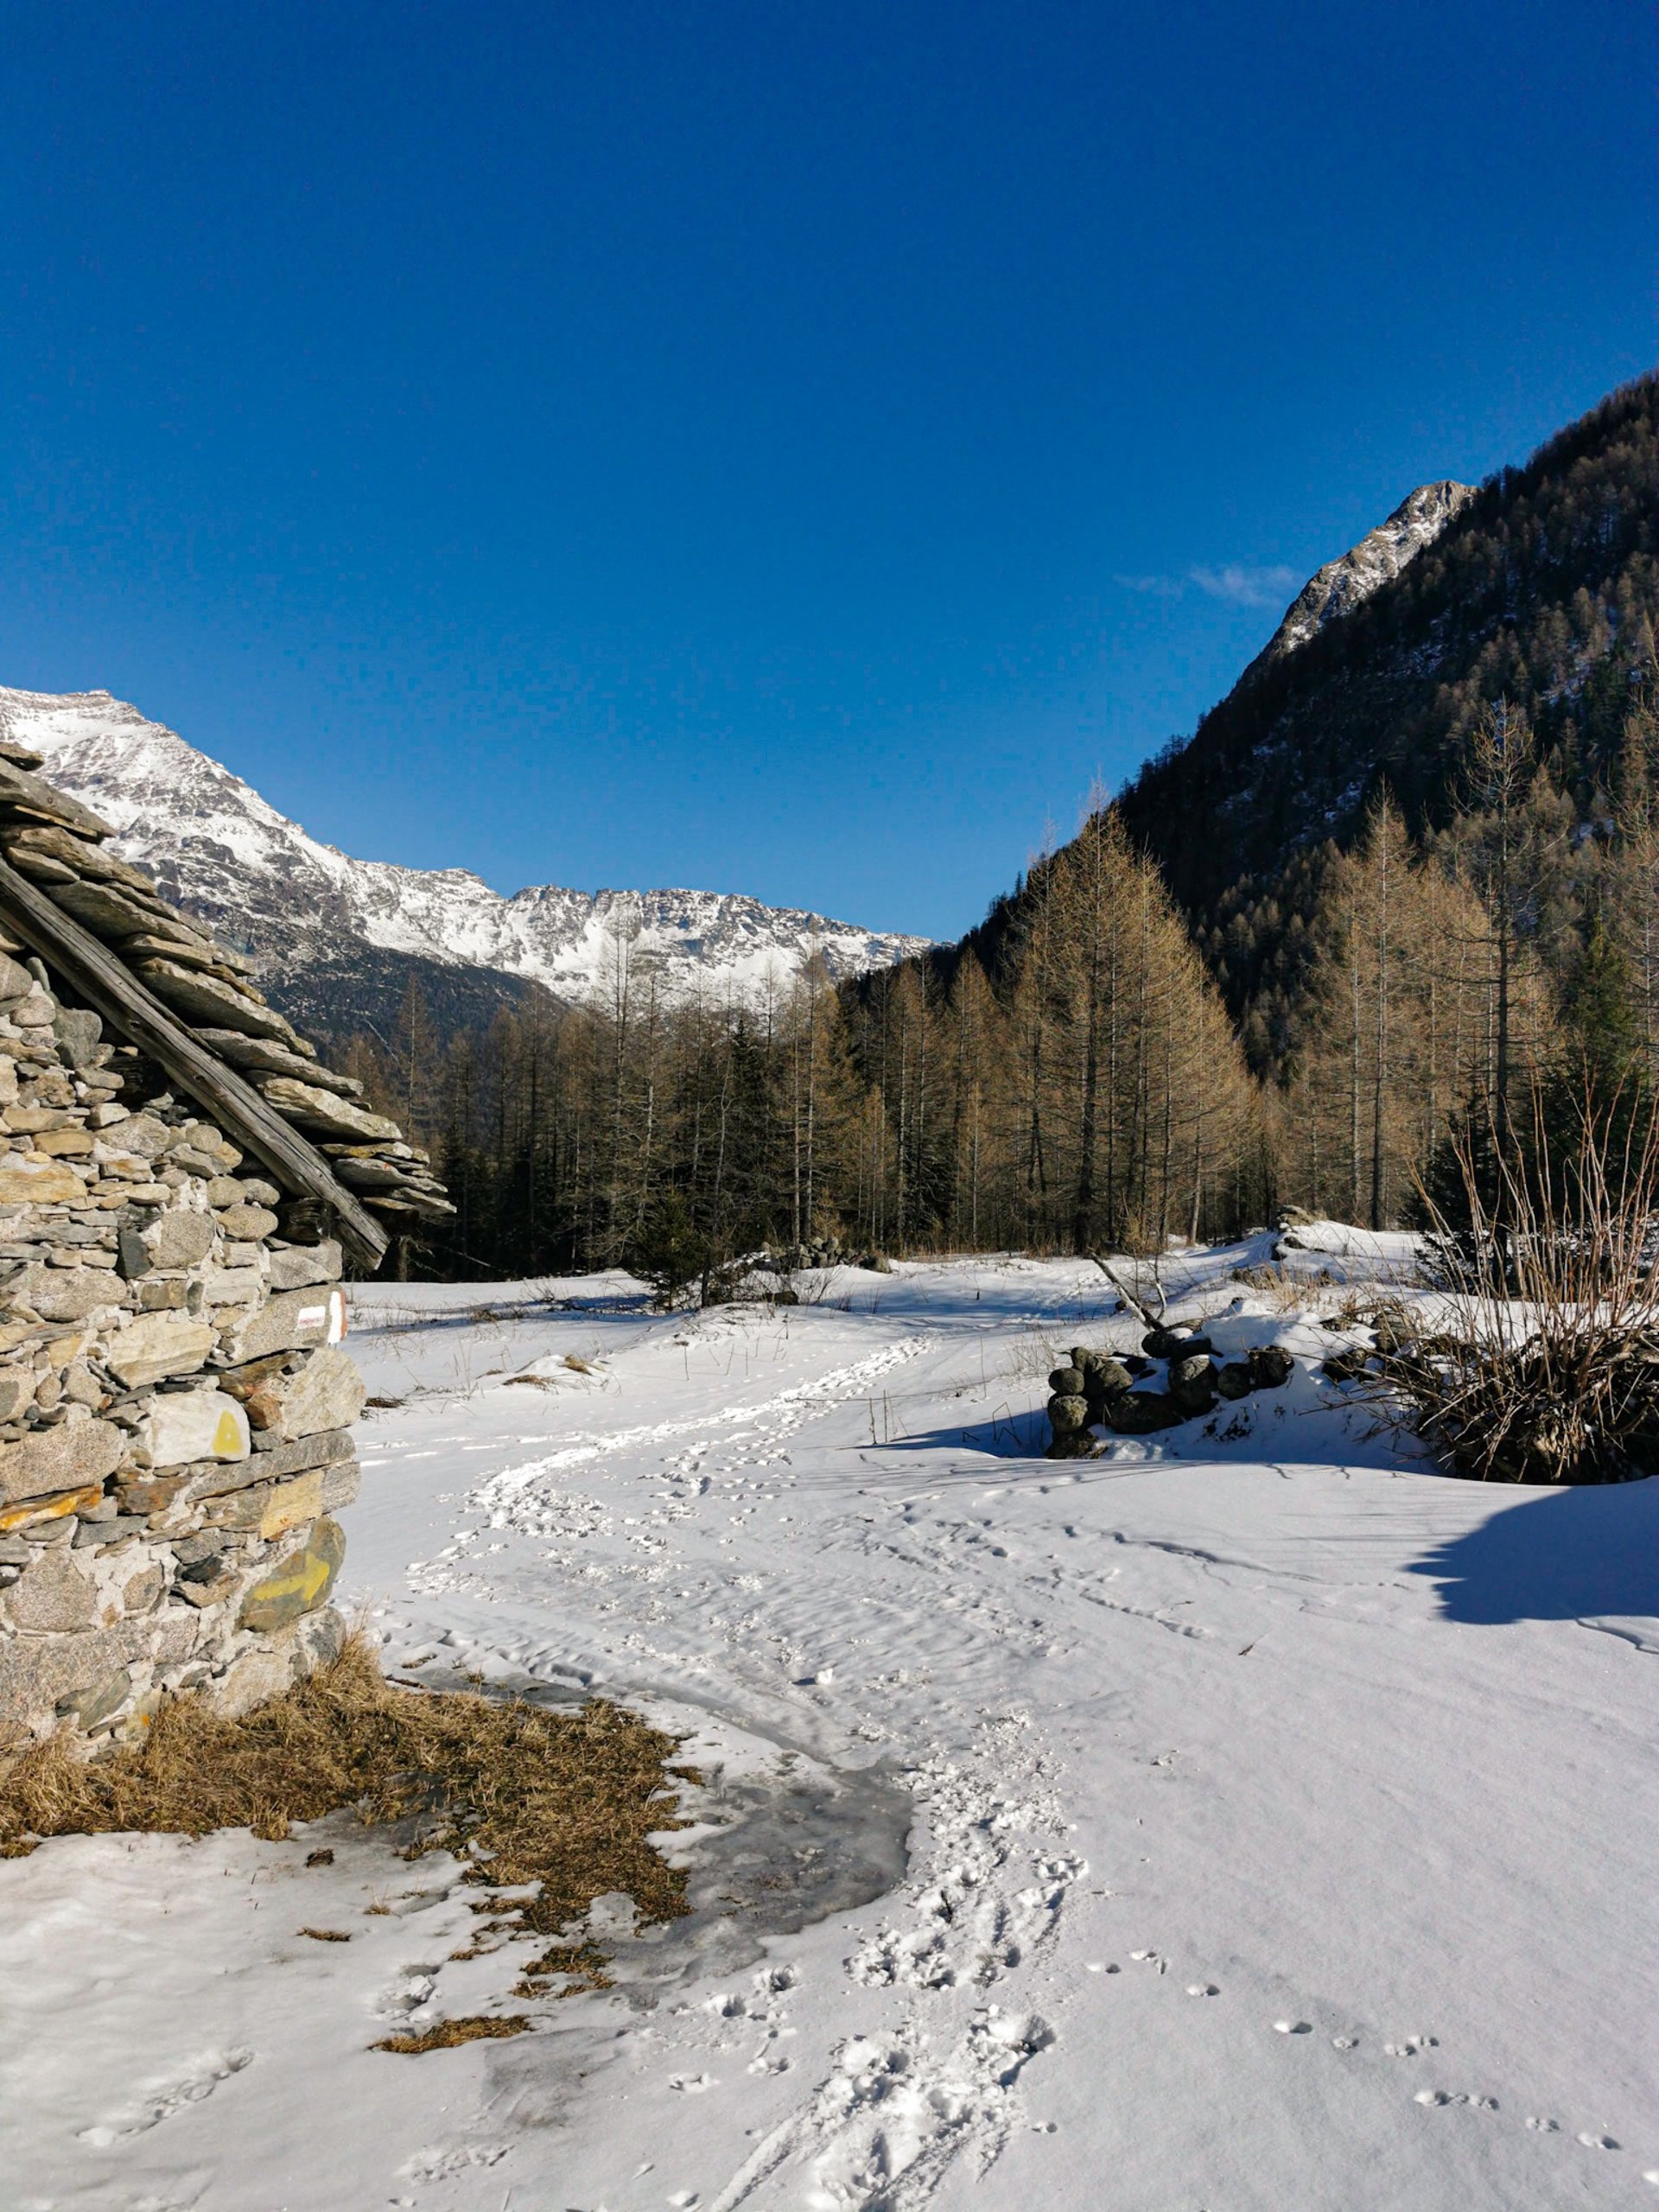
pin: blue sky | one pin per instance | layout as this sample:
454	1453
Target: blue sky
784	447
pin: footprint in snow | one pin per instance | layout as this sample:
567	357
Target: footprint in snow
1599	2142
1292	2027
1203	1989
692	2084
164	2099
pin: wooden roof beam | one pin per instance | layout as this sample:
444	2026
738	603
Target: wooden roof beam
101	980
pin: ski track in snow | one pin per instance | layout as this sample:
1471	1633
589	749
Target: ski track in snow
1230	1880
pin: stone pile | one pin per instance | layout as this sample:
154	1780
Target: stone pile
1097	1389
830	1252
60	845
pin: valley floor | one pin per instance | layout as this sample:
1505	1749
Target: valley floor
1249	1819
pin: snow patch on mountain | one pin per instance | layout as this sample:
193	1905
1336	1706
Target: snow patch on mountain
1341	585
217	848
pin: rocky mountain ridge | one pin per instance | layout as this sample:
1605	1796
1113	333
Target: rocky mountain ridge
335	940
1341	585
1540	587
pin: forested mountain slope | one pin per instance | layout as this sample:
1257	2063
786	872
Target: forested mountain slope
1540	588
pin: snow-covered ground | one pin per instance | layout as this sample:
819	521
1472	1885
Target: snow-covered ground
1278	1813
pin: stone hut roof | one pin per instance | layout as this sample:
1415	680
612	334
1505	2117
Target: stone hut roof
163	984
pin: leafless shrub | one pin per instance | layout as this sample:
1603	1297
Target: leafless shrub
1544	1363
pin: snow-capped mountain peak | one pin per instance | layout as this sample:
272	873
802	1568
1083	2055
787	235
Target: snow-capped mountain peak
217	848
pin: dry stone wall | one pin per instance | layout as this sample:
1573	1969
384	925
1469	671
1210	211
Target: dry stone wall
175	1409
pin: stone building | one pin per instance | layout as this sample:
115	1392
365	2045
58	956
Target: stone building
182	1184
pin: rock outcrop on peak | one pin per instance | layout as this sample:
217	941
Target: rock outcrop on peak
1341	585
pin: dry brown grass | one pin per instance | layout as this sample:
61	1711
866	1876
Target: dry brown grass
560	1804
448	2033
1286	1293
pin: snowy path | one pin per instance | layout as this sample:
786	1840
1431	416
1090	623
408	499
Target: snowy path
1281	1814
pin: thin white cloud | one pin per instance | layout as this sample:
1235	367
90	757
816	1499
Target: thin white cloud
1244	586
1238	582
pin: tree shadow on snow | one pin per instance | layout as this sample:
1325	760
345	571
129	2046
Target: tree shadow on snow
1564	1555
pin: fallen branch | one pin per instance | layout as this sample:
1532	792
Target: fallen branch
1151	1320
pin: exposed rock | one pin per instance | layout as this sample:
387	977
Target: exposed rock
53	1505
246	1221
52	1597
158	1344
1105	1379
327	1392
83	857
204	998
144	1590
260	1053
133	1516
77	1032
62	1294
69	1456
143	1135
340	1484
1067	1411
208	1479
313	1108
1342	584
31	1178
1344	1366
288	1504
295	1266
100	1699
256	1675
16	1389
1271	1367
1192	1384
289	1322
1174	1343
106	910
29	795
302	1583
1139	1413
36	1672
189	1425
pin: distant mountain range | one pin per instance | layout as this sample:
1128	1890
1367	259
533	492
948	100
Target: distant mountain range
335	941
